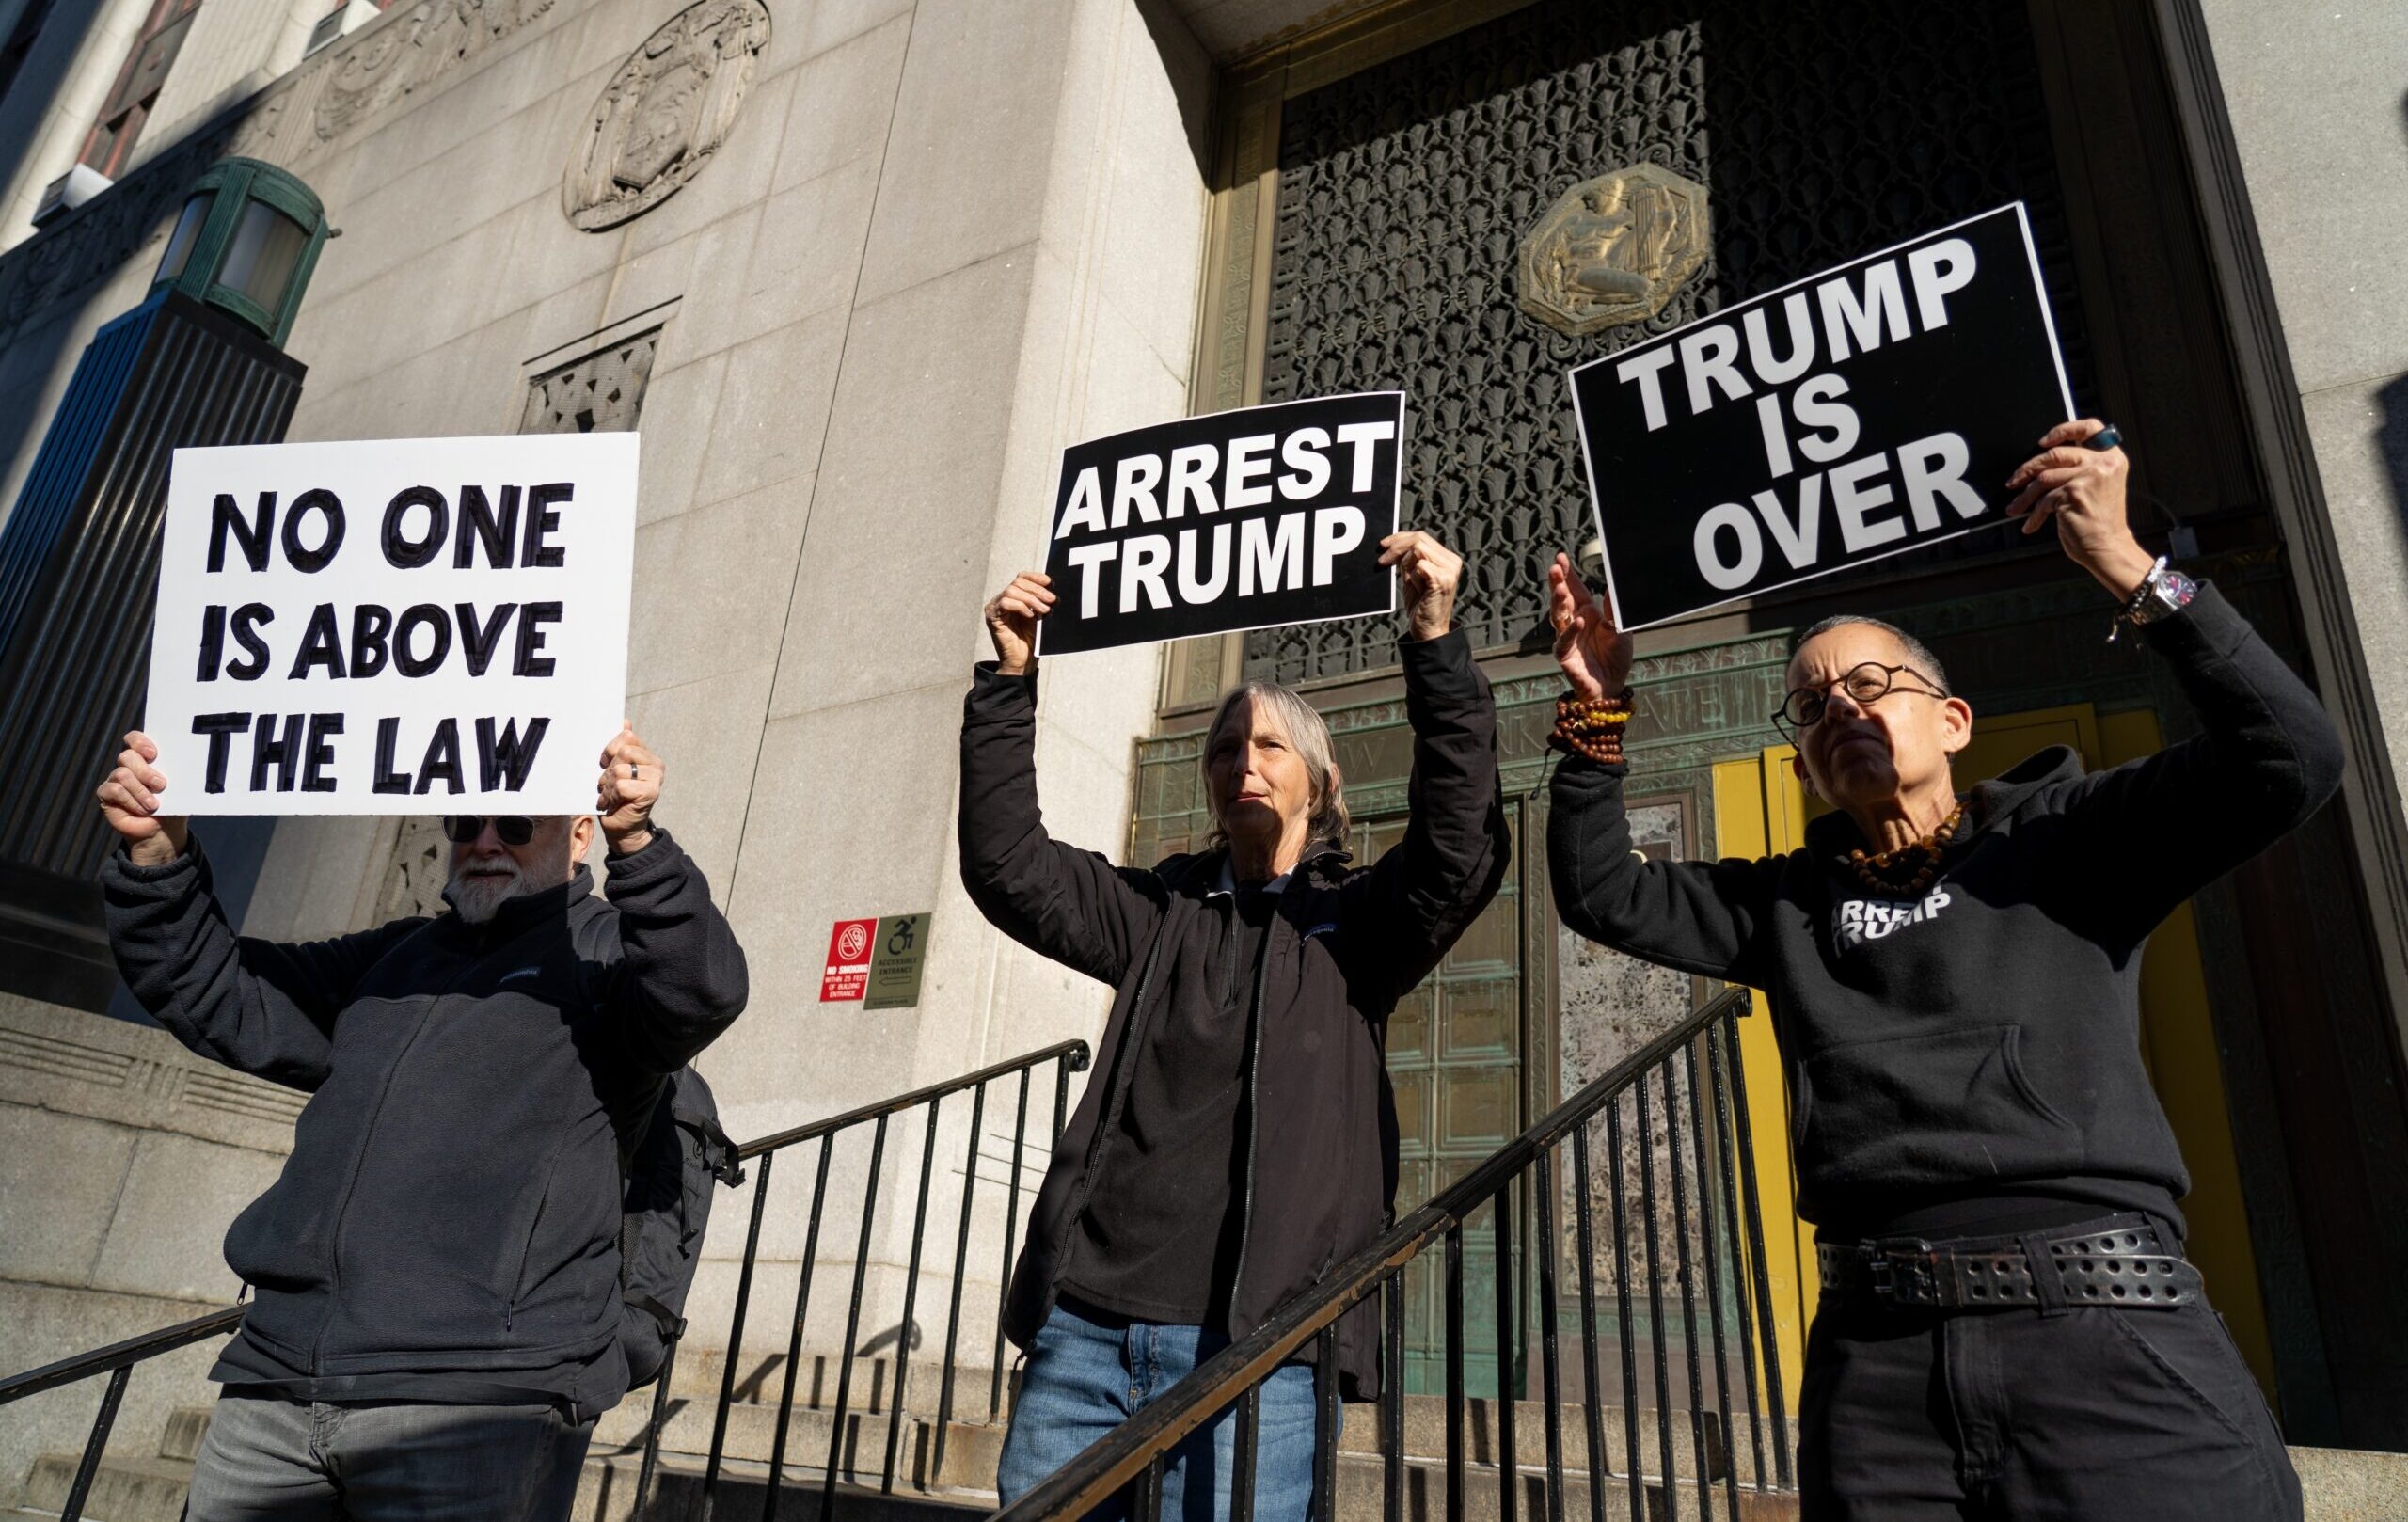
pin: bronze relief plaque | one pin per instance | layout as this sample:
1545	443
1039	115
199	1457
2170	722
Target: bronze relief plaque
1613	249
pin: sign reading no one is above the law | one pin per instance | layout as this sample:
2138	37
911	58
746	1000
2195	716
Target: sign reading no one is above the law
425	626
1859	414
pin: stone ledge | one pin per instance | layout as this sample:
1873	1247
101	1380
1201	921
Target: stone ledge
76	1063
2350	1486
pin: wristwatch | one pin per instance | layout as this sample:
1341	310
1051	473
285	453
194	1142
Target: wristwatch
2164	591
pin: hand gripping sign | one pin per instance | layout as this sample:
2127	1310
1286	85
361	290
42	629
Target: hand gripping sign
399	626
1234	520
1860	413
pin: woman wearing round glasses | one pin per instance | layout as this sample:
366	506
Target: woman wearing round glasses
2007	1327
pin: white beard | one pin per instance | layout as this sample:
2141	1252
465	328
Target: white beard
476	898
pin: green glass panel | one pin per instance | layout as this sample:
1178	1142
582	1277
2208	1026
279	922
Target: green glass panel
260	257
180	243
1483	1020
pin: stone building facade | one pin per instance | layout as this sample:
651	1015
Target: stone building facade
857	270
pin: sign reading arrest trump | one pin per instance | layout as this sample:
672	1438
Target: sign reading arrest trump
1234	520
427	626
1860	413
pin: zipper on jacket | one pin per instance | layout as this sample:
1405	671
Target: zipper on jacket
351	1182
1253	1095
481	944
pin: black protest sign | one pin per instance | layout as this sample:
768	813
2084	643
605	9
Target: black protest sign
1869	410
1236	520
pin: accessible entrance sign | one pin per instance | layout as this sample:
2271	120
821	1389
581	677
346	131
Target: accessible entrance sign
1860	413
1234	520
428	626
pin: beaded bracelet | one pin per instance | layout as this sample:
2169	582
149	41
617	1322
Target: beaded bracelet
1591	727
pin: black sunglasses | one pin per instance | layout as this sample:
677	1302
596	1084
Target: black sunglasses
1865	684
512	829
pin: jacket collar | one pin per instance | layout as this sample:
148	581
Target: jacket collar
1321	863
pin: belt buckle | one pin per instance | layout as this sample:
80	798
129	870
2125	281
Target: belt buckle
1905	1273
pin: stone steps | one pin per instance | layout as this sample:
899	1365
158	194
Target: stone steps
125	1489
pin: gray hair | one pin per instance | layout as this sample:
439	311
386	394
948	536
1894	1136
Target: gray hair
1919	655
1307	733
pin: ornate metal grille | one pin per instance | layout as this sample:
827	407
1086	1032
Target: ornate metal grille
600	392
1836	127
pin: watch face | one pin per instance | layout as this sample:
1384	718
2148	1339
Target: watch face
2170	592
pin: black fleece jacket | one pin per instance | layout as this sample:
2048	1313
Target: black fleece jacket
1344	944
1984	1039
447	1227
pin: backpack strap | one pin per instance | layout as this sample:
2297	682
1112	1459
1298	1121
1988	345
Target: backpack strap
673	1325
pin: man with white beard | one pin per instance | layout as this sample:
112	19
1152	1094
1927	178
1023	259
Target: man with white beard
433	1324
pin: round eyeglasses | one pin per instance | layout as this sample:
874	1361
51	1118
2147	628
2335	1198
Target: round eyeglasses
1865	685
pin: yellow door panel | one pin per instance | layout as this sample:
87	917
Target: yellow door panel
1747	795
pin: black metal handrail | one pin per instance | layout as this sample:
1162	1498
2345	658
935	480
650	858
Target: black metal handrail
1067	1057
117	1360
1133	1456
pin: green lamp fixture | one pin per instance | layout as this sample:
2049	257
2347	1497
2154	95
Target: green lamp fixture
246	243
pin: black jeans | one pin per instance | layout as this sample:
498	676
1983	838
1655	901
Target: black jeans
2023	1416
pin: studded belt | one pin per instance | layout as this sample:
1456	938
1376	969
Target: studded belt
2086	1267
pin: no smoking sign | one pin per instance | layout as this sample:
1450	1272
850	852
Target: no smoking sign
877	961
847	976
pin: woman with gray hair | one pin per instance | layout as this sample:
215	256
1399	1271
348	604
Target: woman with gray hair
1239	1136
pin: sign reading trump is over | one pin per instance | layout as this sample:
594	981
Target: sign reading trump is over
1873	409
1235	520
397	627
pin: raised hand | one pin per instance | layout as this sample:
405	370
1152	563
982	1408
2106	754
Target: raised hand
628	789
1011	619
2082	491
129	799
1433	573
1595	656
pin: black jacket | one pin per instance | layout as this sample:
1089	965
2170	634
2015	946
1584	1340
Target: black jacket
1985	1038
1346	943
447	1226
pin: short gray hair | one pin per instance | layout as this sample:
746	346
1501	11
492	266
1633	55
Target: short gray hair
1918	653
1308	731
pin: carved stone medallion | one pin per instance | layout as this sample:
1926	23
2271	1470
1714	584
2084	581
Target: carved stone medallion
1613	249
665	112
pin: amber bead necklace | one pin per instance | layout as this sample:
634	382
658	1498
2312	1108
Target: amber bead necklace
1873	870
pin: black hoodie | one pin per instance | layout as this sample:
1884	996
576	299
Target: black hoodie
447	1227
1982	1040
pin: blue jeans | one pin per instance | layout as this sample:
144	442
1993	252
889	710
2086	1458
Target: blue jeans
1086	1377
267	1459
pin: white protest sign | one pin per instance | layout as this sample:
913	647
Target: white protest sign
423	625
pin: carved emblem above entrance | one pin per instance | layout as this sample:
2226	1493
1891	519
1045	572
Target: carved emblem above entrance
665	112
1613	249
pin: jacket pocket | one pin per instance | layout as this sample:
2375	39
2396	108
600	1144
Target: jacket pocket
1946	1107
518	1285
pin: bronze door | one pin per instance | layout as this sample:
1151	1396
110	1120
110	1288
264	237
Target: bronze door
1455	1057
